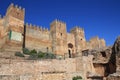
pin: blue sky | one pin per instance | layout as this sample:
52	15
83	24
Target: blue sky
97	17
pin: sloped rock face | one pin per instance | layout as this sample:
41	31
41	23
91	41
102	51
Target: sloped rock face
116	47
115	56
116	51
113	78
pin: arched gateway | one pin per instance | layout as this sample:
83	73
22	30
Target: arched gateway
70	49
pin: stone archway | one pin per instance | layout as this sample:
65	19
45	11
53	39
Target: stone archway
69	53
70	47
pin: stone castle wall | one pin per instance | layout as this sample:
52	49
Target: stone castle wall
12	21
96	43
38	38
56	40
3	35
45	69
50	69
59	37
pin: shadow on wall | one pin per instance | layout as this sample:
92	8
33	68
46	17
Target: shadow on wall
111	66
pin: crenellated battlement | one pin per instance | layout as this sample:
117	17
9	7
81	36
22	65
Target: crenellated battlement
57	21
77	29
16	6
94	38
37	28
16	11
37	32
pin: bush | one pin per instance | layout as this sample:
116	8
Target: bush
77	78
26	51
33	57
19	54
50	56
33	52
41	54
46	55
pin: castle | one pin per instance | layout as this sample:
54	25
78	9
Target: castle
91	60
14	33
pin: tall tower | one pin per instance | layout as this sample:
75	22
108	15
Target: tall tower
80	42
14	25
59	37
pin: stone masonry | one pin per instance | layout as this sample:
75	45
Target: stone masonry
56	40
91	60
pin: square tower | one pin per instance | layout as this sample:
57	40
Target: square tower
14	25
59	37
80	42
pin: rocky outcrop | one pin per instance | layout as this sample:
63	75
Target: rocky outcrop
116	51
99	55
115	59
116	47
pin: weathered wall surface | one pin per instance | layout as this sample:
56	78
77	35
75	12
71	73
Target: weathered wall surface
38	38
99	69
45	69
96	43
24	67
80	41
113	77
59	37
1	35
13	22
88	66
71	44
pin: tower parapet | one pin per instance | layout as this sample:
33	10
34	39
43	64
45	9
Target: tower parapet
57	21
78	31
58	27
16	11
16	6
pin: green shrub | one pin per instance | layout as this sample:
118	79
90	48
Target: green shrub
33	57
50	56
33	52
77	78
19	54
41	54
53	56
46	55
26	51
